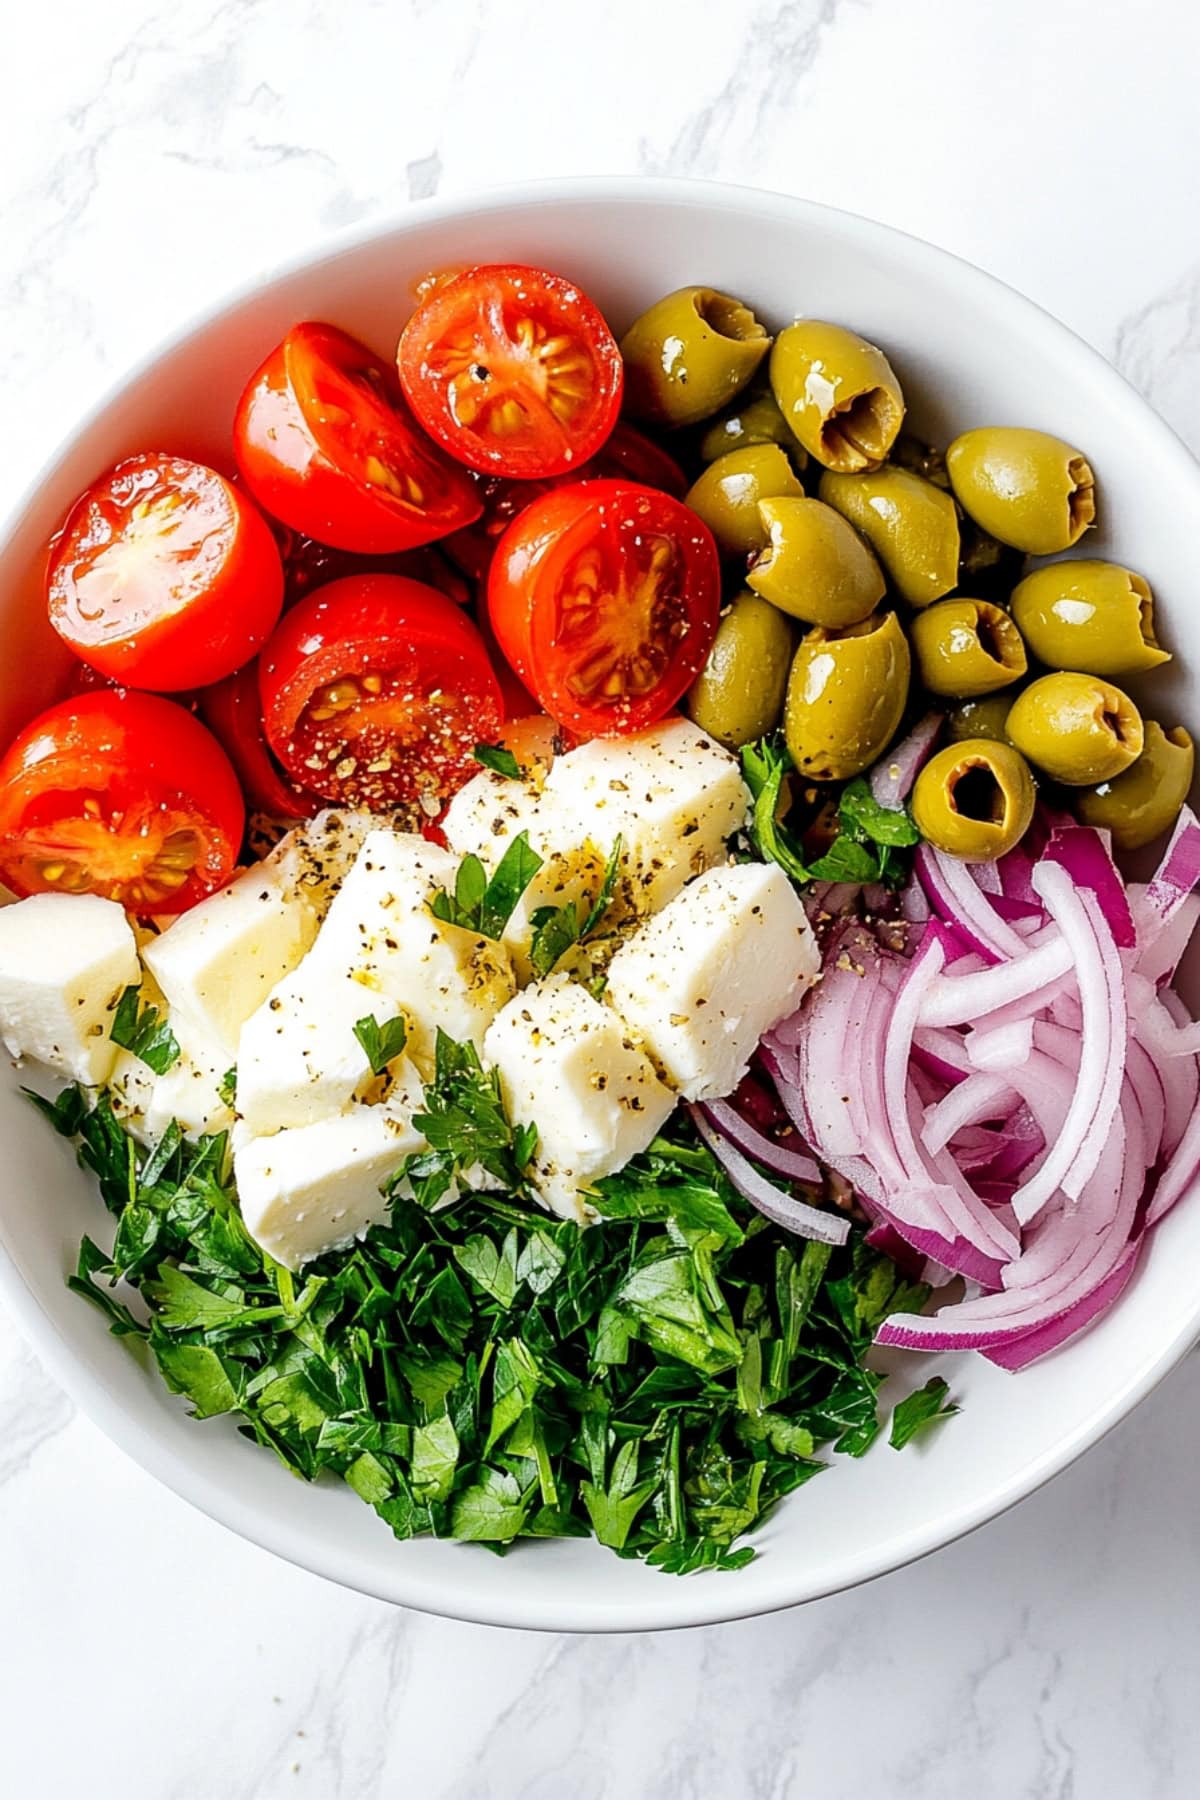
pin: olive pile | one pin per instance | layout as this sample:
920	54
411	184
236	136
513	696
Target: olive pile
905	570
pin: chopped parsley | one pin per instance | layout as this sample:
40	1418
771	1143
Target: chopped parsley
498	759
144	1032
868	838
483	905
557	928
381	1043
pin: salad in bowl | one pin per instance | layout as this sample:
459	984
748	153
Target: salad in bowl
587	887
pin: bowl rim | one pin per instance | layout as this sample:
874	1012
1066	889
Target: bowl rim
678	1604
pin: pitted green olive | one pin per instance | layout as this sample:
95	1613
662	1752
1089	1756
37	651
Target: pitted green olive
756	419
1080	729
846	696
689	355
738	695
1141	804
966	647
1089	615
911	525
815	565
1026	488
974	799
727	494
838	393
986	717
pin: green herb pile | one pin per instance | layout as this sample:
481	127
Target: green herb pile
871	839
488	1372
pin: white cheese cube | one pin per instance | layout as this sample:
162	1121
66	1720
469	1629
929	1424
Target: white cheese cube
313	859
381	929
567	1065
65	960
699	984
130	1091
217	963
315	1188
298	1058
190	1092
672	793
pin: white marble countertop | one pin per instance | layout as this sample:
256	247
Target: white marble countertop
151	155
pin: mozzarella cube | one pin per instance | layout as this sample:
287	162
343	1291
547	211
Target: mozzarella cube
130	1090
190	1092
317	1187
217	963
298	1057
65	960
699	984
567	1065
381	929
314	858
673	794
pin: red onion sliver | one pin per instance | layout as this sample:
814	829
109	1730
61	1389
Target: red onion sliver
892	777
782	1209
743	1136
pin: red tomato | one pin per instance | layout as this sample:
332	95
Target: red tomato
513	370
119	794
308	565
232	710
604	596
625	456
326	443
164	575
376	690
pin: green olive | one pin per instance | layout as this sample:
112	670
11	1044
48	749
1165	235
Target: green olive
1027	488
986	717
974	799
1089	615
727	494
738	695
689	355
838	393
815	565
756	419
1078	728
966	647
1139	805
846	696
911	525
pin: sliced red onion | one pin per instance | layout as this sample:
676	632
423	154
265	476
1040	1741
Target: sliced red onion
977	1098
1029	1345
1005	1046
959	999
782	1209
892	777
743	1136
958	899
1086	855
1179	872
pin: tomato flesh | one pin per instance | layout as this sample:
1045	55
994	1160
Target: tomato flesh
164	575
232	710
326	443
376	690
605	596
513	370
119	794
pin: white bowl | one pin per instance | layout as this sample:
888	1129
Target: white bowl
969	352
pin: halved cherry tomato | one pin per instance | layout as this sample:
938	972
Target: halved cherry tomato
123	795
232	710
164	575
325	442
625	456
513	370
308	564
604	596
376	690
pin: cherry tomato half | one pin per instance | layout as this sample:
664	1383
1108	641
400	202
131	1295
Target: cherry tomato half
308	565
119	794
625	456
513	370
376	690
232	710
604	596
164	575
326	443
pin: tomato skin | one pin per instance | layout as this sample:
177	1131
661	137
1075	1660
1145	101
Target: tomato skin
97	762
502	335
309	424
629	455
164	576
644	577
232	710
308	565
375	691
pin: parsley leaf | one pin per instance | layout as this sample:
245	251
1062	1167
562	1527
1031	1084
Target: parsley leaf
483	905
227	1087
919	1411
144	1033
381	1043
557	928
861	816
466	1127
498	759
863	852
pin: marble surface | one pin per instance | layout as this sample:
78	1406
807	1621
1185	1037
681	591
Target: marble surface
151	155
